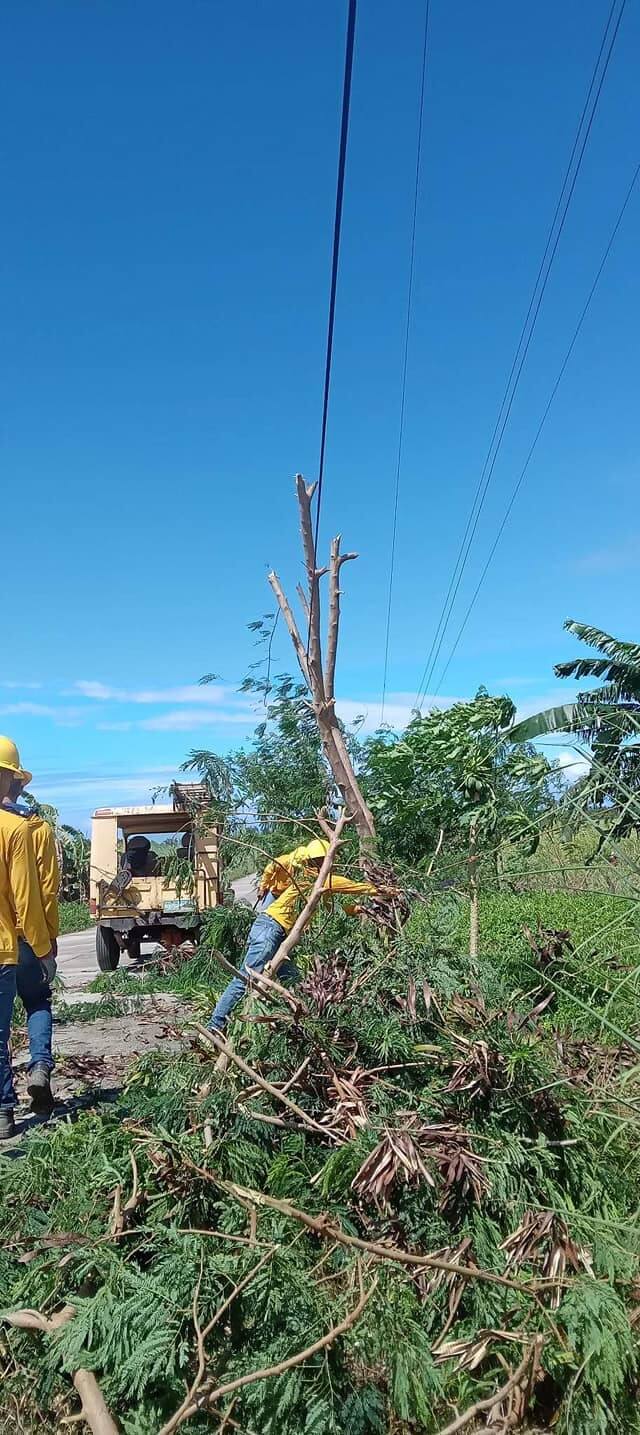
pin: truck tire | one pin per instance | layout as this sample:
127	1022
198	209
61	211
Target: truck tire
107	949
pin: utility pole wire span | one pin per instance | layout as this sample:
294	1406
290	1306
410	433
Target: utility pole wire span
556	386
337	227
522	349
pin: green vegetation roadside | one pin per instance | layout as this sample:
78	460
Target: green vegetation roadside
74	917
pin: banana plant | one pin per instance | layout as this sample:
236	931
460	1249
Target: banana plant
607	720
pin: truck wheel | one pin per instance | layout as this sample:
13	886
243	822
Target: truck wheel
107	949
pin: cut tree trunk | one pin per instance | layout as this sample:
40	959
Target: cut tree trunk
320	679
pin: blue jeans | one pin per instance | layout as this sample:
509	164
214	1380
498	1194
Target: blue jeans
264	939
30	982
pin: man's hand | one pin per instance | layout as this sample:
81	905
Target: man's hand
49	964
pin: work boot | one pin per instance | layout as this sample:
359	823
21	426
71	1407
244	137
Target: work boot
7	1125
39	1088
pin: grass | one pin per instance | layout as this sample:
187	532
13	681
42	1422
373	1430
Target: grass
597	978
74	917
110	1006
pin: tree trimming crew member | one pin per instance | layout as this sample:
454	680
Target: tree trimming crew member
279	871
21	910
271	927
34	977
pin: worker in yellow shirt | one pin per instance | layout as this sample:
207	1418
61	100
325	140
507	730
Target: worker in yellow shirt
34	977
271	927
280	872
21	909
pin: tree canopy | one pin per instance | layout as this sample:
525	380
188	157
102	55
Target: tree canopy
452	768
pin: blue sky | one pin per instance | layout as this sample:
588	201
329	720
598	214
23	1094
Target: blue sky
168	188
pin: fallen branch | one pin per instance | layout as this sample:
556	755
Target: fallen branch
190	1404
329	1231
95	1411
263	984
212	1038
283	1365
531	1357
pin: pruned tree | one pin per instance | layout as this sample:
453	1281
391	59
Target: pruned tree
319	672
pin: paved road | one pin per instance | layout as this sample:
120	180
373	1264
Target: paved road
246	889
77	963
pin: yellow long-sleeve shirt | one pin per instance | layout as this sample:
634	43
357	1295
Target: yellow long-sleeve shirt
20	900
286	907
277	873
44	848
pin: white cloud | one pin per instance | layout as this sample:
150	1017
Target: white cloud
209	694
572	764
196	706
185	719
398	710
76	795
399	707
616	558
63	717
22	687
75	781
551	699
28	710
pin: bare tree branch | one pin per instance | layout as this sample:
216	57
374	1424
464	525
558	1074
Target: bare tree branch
305	496
302	1355
95	1411
304	601
263	984
531	1358
337	560
326	1228
290	621
188	1407
212	1038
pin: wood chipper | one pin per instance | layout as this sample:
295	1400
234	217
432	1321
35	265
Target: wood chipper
154	871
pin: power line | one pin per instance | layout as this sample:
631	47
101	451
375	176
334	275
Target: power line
541	425
523	346
405	359
337	225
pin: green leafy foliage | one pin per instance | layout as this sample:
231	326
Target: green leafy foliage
607	719
74	917
452	770
552	1128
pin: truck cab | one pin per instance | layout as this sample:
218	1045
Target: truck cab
154	871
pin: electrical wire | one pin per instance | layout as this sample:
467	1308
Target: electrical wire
405	358
337	226
556	386
524	341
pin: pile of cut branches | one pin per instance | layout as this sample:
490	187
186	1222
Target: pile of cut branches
409	1204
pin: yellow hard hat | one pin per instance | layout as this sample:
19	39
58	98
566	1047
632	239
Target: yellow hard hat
10	757
318	848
